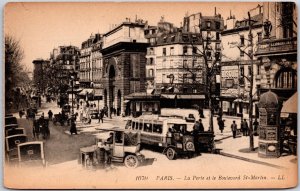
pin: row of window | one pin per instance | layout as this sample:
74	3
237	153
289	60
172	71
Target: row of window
183	78
147	127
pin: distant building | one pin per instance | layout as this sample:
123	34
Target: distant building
235	64
39	74
64	61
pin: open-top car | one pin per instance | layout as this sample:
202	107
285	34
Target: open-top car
11	144
124	147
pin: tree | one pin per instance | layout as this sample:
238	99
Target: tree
15	75
249	78
211	58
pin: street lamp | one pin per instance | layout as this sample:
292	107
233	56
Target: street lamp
72	76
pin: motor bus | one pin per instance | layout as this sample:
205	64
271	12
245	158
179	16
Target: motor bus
173	134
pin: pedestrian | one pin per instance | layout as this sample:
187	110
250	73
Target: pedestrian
21	113
50	114
233	129
101	115
73	128
221	124
201	127
195	134
255	126
245	128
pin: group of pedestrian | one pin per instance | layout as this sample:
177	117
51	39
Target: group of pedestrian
244	128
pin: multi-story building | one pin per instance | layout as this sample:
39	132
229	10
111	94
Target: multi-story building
64	62
40	75
85	62
97	70
277	51
176	68
124	72
179	70
236	63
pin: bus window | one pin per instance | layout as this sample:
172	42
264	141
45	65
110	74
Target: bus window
147	127
133	125
157	128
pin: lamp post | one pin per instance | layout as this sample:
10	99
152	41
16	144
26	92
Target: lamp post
72	76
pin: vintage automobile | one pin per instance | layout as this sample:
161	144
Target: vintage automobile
11	143
41	126
66	108
31	112
123	148
10	120
11	126
15	131
61	119
173	134
31	154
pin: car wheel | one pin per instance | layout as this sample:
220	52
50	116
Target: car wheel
131	161
171	153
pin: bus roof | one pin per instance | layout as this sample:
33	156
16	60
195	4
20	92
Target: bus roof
159	118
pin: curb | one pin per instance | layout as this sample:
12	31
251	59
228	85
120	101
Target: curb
223	138
251	160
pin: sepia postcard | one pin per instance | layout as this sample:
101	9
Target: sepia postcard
150	95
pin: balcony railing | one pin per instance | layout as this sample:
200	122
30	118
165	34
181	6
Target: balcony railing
277	46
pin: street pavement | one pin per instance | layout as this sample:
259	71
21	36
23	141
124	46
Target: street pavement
62	152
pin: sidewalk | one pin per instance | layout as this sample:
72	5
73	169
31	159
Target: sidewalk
238	148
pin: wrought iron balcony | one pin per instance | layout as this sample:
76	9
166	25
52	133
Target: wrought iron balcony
285	45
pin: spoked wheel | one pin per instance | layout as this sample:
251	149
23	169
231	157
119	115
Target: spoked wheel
171	153
131	161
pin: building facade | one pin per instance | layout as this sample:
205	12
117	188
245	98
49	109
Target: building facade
236	63
64	62
277	51
124	65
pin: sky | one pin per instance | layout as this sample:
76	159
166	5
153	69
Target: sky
40	27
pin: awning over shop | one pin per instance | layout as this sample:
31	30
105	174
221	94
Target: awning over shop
190	96
86	91
141	95
290	106
239	100
98	94
169	88
75	91
168	96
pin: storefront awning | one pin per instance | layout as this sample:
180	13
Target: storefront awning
290	106
190	96
168	96
169	88
86	91
240	101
